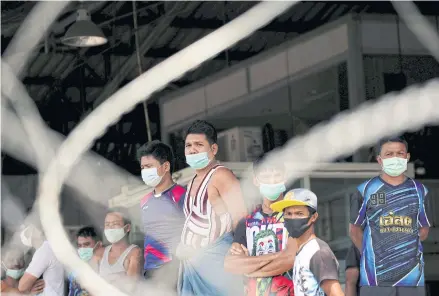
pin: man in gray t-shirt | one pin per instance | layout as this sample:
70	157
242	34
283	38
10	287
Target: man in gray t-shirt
315	271
162	214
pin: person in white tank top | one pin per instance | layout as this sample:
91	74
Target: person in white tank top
120	263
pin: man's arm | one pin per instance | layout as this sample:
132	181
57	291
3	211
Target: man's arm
423	233
358	216
352	275
238	261
26	282
353	258
281	264
132	266
332	288
37	288
424	216
36	268
324	267
244	264
229	189
134	263
6	289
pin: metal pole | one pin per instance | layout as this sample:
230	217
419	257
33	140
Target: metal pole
153	34
82	90
225	20
139	66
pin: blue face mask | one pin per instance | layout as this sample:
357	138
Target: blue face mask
272	191
394	166
198	161
15	273
151	177
85	253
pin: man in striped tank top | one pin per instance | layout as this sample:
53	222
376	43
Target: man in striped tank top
213	206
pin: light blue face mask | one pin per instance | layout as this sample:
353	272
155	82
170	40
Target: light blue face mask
394	166
198	161
151	177
272	191
85	253
15	273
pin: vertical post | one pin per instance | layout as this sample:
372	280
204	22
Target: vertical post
225	20
139	66
107	67
328	225
164	137
305	182
82	91
356	79
164	133
347	204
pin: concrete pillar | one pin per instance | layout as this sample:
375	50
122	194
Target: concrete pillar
356	79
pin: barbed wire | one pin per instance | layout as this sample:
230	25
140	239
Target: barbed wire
394	113
157	78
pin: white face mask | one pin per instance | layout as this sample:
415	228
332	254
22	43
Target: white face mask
151	177
394	166
27	241
114	235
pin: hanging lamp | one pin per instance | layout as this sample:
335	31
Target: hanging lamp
84	33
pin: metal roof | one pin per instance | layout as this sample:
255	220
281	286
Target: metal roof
55	71
46	70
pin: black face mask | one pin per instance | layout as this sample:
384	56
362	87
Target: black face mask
297	227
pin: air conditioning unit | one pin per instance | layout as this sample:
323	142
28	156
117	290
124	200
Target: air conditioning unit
240	144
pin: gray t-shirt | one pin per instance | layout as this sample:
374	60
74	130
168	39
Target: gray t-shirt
314	263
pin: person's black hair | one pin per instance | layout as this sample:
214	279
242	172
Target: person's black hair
123	212
88	231
160	151
14	256
257	164
311	211
380	144
203	127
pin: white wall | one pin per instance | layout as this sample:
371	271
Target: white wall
379	35
234	84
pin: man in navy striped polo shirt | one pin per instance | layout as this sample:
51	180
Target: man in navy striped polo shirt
392	209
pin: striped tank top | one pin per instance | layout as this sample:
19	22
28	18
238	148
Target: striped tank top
203	226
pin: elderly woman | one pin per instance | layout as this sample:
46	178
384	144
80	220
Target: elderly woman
13	268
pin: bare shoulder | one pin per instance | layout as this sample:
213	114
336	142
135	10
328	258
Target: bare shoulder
135	252
99	252
224	174
223	177
98	255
